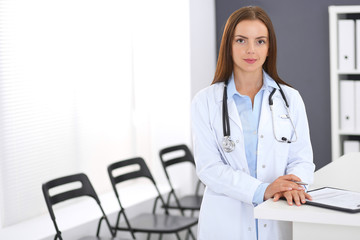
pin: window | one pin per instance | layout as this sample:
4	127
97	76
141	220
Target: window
84	83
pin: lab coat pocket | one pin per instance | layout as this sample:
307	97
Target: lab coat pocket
284	135
283	129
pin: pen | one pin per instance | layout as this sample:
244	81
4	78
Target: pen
300	183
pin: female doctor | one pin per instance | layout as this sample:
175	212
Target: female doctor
249	146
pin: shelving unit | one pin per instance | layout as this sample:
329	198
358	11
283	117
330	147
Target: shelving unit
338	136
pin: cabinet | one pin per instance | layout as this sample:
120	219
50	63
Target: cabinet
343	38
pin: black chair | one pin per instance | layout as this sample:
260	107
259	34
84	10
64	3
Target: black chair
86	189
188	202
146	222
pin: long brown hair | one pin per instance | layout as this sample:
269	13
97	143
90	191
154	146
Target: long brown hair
224	67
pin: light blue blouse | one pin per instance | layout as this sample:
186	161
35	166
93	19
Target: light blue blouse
250	117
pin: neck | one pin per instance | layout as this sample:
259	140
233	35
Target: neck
248	83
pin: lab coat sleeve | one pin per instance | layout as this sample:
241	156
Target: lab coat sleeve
300	160
211	167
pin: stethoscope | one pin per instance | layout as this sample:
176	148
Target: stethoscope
229	145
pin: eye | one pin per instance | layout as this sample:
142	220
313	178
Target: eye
261	42
240	40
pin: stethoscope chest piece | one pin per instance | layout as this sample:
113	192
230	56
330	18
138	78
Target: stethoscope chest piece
228	144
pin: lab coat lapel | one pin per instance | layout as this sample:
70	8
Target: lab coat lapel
265	117
233	113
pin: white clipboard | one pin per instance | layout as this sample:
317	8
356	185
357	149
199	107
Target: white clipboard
336	199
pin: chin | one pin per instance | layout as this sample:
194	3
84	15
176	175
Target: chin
252	69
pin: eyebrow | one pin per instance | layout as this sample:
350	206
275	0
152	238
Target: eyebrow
248	38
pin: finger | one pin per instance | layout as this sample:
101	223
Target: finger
291	177
296	197
282	182
277	197
289	198
290	185
308	196
285	188
298	187
302	197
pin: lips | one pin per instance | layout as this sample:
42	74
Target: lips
250	60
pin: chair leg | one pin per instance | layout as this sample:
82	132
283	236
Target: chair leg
187	234
117	223
58	236
148	236
127	223
160	236
178	236
192	234
99	226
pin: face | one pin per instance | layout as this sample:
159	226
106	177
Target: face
250	46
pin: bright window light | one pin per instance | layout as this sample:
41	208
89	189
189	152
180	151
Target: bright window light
84	83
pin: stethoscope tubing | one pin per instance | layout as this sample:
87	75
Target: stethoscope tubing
225	114
228	143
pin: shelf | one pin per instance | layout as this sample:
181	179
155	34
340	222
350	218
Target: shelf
352	133
338	136
354	72
344	9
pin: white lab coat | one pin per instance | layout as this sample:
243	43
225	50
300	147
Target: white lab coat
227	210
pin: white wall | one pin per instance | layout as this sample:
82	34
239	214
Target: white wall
203	43
162	77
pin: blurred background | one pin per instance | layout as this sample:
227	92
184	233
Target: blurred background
84	83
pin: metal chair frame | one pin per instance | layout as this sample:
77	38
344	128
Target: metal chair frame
85	190
143	172
188	157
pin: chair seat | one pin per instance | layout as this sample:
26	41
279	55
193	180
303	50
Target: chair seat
102	238
156	223
191	202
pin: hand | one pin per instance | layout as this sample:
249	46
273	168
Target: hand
282	184
294	195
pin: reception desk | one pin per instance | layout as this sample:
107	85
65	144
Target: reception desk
311	222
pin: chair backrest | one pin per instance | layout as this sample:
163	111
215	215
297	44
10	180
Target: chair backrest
170	161
118	178
166	162
187	157
86	189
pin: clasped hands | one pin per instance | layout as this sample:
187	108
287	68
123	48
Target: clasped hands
285	186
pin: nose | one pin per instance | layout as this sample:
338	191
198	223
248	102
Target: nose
251	48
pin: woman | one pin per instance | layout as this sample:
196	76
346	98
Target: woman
268	151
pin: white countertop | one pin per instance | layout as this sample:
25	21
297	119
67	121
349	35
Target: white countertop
281	211
342	173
